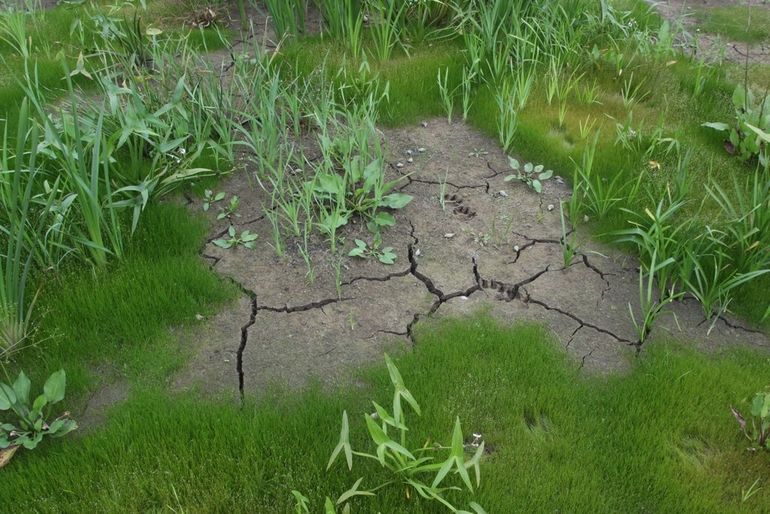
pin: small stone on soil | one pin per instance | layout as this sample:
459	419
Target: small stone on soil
400	165
421	149
410	160
424	124
550	207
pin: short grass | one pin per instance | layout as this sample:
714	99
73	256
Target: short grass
659	439
737	23
115	323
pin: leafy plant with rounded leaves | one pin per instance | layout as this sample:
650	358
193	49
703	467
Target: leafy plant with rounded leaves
31	426
532	175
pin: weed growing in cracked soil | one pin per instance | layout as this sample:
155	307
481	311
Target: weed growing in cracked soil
546	429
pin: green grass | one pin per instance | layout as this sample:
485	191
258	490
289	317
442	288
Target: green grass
738	23
658	439
119	319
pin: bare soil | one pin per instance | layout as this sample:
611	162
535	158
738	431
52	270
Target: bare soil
709	46
495	246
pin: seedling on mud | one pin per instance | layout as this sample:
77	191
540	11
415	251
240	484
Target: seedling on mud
209	198
532	175
245	239
228	211
363	250
569	248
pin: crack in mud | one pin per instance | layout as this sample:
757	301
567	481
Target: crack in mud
511	291
320	304
494	174
244	341
739	327
385	278
529	299
441	297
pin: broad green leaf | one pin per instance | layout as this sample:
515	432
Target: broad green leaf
537	186
384	219
67	426
764	136
357	252
396	200
54	387
21	387
716	126
329	183
739	97
513	163
529	167
7	396
387	258
40	402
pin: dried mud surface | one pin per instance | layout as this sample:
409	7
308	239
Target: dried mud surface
708	45
494	246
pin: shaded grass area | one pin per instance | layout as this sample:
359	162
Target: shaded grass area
665	100
659	439
738	22
115	322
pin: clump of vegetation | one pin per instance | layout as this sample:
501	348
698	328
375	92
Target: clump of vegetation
749	136
533	176
406	466
31	419
757	429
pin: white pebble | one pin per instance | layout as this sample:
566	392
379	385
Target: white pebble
399	165
551	207
410	160
449	235
421	149
503	194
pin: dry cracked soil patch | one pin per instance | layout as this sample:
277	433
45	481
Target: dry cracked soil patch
492	246
709	46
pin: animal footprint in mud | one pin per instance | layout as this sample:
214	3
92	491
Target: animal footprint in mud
453	198
459	207
507	292
464	210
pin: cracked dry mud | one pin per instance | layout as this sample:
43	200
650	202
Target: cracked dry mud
709	46
287	330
